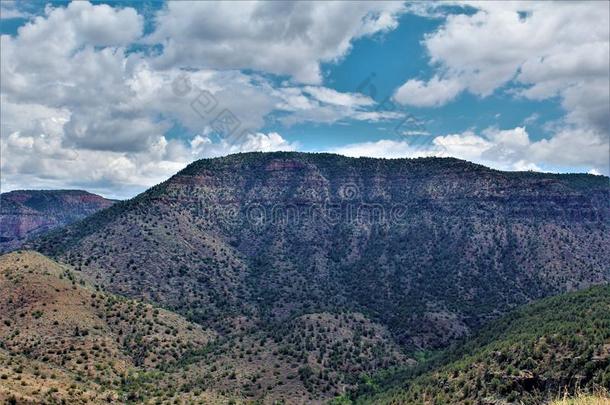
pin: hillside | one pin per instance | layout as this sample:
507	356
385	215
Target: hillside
556	347
61	338
584	399
27	213
398	255
435	242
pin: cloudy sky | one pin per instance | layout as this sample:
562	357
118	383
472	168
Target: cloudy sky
116	97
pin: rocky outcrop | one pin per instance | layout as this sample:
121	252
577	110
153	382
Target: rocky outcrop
28	213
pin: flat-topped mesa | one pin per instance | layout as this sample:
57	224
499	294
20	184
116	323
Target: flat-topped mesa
272	236
28	213
283	177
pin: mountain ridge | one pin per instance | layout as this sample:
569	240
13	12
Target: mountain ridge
427	249
576	180
28	213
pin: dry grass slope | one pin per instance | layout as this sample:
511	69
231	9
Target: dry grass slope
601	398
61	338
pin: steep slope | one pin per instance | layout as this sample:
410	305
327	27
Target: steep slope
27	381
27	213
50	318
429	247
308	360
557	346
63	339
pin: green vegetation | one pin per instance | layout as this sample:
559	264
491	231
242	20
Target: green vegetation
334	284
558	345
472	243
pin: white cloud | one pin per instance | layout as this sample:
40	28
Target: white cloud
10	9
75	102
573	147
65	28
323	105
377	116
387	148
334	97
72	59
203	146
288	38
40	160
108	129
512	149
79	110
544	50
509	149
414	132
435	92
35	155
467	145
547	49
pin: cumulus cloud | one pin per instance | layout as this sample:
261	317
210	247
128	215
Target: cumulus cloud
387	148
509	149
435	92
82	107
10	9
286	38
37	157
512	149
65	28
34	155
204	146
546	49
323	105
541	50
334	97
75	100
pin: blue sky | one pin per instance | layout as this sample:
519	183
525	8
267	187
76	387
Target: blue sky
91	88
377	66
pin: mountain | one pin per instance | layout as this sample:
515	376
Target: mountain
329	267
63	339
555	347
27	213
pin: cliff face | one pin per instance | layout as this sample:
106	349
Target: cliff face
27	213
430	248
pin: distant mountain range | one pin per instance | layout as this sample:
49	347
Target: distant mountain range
310	271
28	213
